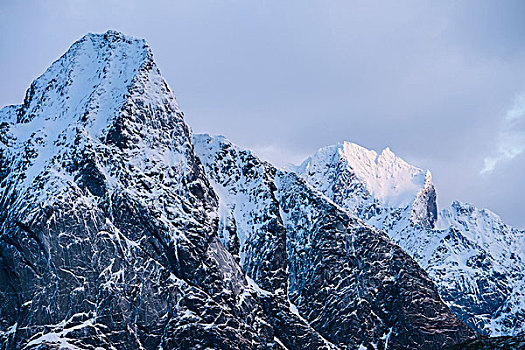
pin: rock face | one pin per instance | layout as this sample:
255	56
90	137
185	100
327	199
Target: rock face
496	343
379	188
347	279
113	235
496	268
475	259
108	228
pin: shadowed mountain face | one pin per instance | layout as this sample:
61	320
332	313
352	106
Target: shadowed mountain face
497	343
475	259
347	279
108	221
113	234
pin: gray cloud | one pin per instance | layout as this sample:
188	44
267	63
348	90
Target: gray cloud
431	80
511	139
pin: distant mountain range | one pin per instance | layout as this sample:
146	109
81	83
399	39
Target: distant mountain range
119	229
476	260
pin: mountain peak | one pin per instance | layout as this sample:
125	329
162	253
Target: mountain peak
386	177
473	256
113	35
106	89
93	65
105	201
387	152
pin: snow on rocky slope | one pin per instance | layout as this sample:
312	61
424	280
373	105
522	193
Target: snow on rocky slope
375	186
493	343
108	222
476	260
114	235
347	279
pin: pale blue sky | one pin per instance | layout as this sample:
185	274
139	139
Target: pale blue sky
442	83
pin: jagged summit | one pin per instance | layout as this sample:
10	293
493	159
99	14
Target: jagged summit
475	259
95	72
87	88
484	227
363	181
90	96
386	177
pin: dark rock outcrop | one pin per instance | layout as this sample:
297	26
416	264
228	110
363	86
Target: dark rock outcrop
496	343
114	235
347	279
108	231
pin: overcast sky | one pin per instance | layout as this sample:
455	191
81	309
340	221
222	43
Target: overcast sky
442	83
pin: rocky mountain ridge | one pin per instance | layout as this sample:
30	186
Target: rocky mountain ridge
121	230
108	220
347	279
476	260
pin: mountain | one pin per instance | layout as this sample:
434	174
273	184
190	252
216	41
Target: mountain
375	186
113	235
108	222
484	343
347	279
476	260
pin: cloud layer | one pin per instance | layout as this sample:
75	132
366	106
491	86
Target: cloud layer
511	138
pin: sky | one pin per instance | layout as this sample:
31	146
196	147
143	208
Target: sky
441	83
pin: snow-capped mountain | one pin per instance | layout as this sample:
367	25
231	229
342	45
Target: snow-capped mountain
114	236
108	222
345	278
375	186
475	259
